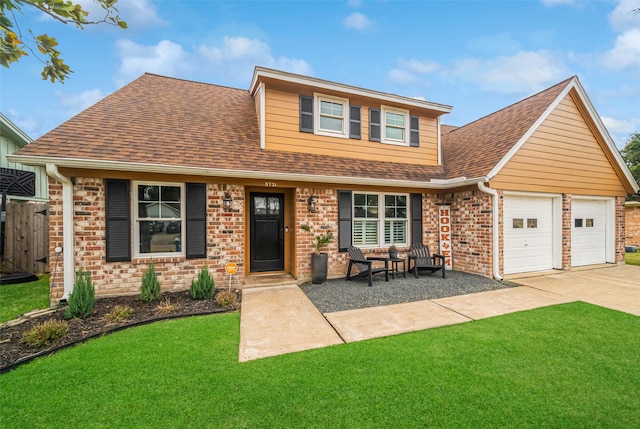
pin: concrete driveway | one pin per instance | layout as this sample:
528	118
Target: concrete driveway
617	288
281	319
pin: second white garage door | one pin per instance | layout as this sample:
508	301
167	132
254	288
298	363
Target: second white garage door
528	234
588	232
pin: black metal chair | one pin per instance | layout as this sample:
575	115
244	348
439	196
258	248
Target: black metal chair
365	265
423	260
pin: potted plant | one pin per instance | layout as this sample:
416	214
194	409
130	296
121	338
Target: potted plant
393	252
319	260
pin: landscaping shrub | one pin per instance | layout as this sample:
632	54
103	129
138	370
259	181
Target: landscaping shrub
45	333
119	313
150	288
82	298
226	298
203	287
166	306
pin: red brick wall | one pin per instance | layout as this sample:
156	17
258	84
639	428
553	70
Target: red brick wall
325	219
225	243
56	261
472	233
632	225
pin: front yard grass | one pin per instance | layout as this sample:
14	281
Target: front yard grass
17	299
632	258
573	365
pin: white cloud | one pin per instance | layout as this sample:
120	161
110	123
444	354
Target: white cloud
166	58
358	21
31	126
526	71
417	66
409	72
619	126
237	56
626	52
354	3
78	102
402	77
622	18
137	13
621	129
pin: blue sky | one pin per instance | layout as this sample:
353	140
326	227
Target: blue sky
477	56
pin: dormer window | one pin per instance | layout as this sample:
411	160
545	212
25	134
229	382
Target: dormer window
395	126
332	115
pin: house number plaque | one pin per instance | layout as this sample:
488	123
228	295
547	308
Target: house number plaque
270	184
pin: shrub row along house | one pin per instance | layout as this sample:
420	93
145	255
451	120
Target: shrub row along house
186	173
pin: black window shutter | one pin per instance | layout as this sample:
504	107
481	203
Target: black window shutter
118	220
344	220
306	114
414	131
416	218
196	220
354	122
374	125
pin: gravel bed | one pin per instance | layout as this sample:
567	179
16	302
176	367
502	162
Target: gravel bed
340	295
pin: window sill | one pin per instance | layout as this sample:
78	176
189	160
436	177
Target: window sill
158	259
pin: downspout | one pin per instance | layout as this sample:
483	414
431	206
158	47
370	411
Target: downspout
495	227
67	228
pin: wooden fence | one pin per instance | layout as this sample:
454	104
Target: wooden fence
27	237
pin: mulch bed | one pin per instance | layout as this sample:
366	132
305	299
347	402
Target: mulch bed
14	352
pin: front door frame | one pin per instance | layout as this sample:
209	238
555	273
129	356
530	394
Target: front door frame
289	209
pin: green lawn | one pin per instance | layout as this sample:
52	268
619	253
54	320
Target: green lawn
632	258
22	297
573	365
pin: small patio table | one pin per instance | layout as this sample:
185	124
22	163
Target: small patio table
394	267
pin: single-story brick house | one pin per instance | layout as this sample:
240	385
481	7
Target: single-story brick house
189	173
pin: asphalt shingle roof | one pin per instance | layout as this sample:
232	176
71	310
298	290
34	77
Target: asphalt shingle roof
173	122
167	121
474	149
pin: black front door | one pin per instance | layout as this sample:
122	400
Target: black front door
267	232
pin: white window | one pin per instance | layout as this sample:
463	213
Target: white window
159	219
395	126
332	116
380	219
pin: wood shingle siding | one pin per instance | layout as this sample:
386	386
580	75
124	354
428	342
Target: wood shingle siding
283	134
561	156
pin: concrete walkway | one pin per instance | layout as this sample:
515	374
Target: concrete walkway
281	319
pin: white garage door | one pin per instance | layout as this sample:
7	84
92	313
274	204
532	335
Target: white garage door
528	234
588	232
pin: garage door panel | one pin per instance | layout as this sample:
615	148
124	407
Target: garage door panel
528	234
588	232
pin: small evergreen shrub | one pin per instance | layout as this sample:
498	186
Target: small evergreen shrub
119	313
203	287
82	298
45	333
150	288
226	299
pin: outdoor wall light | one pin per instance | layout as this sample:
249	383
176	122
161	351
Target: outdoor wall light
227	201
311	201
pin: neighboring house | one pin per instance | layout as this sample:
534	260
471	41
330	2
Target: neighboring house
24	235
23	182
632	223
536	186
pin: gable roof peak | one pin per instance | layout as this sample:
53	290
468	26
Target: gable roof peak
475	149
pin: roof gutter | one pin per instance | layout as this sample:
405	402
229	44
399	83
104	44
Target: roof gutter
241	174
67	227
495	225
